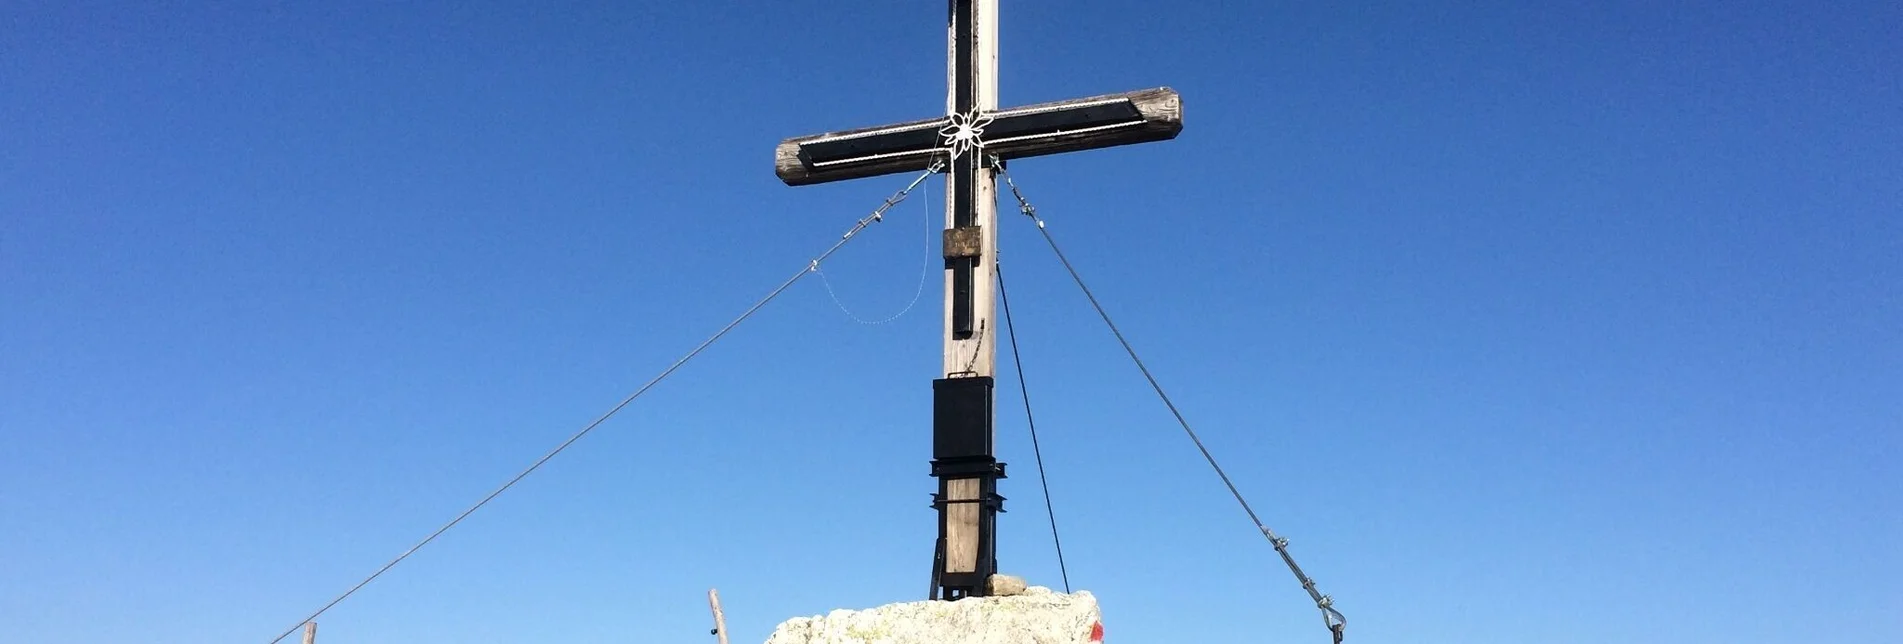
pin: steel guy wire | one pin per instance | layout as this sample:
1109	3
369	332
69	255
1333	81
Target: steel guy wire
1017	363
811	266
1331	617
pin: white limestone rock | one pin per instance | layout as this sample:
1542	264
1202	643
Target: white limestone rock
1038	616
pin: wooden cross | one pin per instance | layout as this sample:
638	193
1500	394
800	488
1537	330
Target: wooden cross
969	142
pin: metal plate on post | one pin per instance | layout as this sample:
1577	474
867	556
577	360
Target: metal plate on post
965	241
961	417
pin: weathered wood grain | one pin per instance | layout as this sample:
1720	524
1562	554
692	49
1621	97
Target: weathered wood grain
720	617
961	526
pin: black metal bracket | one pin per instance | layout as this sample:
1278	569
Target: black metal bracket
962	441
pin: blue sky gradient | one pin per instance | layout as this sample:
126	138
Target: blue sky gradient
1568	322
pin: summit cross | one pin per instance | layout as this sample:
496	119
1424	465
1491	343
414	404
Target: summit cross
970	142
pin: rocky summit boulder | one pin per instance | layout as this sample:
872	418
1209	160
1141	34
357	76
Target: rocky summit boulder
1036	615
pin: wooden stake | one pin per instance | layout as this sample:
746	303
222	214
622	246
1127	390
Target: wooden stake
310	632
720	619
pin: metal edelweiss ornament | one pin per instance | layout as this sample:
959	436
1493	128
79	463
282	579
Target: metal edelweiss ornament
965	133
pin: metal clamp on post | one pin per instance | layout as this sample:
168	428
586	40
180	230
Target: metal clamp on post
967	499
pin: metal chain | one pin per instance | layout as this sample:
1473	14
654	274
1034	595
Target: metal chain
977	349
924	269
1331	617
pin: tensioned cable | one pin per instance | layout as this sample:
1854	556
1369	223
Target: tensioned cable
1017	362
876	216
1331	618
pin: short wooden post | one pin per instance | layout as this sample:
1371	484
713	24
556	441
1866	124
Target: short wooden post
310	632
720	619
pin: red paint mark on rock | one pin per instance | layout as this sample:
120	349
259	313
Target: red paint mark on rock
1096	632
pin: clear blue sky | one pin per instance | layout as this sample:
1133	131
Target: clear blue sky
1580	322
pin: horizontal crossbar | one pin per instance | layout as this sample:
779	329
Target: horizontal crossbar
1033	130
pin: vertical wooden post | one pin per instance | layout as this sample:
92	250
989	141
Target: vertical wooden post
720	618
310	632
962	456
970	345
